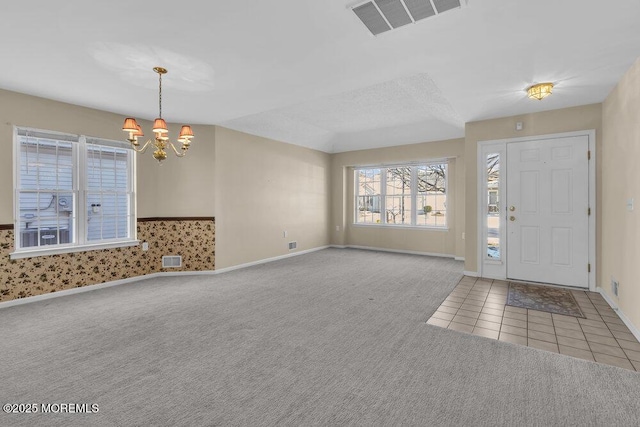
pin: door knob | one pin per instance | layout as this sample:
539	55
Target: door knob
512	208
512	218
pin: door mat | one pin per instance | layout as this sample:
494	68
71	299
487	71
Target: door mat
543	298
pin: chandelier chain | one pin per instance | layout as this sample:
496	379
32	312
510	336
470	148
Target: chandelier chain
160	95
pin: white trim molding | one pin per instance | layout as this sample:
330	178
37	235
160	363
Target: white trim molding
634	330
397	251
266	260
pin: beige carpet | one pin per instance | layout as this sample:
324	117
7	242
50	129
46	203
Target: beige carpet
335	337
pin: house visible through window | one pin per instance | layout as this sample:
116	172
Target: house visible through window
410	195
368	202
72	191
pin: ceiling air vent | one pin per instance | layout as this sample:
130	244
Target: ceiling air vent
380	16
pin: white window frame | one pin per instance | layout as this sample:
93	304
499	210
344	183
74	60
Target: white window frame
383	186
80	190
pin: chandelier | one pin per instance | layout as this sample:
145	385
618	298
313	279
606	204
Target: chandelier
161	139
539	91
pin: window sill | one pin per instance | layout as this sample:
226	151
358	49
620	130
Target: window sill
401	227
31	253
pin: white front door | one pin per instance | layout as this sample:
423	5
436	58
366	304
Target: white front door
547	211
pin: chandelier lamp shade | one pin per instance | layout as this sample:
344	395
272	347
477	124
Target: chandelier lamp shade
540	91
160	131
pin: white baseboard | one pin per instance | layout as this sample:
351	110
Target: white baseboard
459	258
470	273
397	251
634	330
266	260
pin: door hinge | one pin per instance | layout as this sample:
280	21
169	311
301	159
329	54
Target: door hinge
589	155
589	268
589	211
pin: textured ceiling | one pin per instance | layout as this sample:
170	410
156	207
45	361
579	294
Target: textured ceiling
334	123
308	72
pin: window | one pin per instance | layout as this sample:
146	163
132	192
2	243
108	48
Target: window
409	195
493	207
71	192
108	193
398	206
368	202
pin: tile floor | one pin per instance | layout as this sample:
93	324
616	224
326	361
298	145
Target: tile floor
478	306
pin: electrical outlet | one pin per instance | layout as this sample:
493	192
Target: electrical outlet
145	246
285	234
614	286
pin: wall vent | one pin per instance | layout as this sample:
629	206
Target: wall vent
380	16
171	261
293	245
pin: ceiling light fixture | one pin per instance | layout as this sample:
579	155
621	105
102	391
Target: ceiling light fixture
540	91
161	139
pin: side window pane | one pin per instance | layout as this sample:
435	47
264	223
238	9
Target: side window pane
368	202
493	206
431	195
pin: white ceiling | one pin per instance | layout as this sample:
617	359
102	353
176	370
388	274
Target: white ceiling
308	72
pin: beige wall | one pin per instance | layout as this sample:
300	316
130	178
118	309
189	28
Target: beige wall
263	188
620	182
181	187
446	242
547	122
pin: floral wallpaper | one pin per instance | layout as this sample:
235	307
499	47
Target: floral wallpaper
194	240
